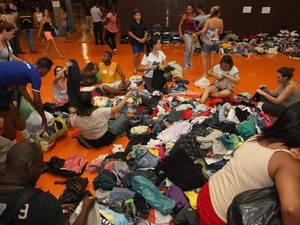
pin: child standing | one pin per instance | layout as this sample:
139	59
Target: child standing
138	33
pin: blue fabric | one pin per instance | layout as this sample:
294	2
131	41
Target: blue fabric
17	72
153	195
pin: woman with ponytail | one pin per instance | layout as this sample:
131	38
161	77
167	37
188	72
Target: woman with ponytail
288	92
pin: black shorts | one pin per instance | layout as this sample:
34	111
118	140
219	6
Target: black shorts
5	100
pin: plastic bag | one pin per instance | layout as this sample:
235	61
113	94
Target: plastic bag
34	122
258	206
25	109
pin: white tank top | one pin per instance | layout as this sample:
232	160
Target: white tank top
39	17
247	169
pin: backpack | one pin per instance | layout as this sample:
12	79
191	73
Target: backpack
88	80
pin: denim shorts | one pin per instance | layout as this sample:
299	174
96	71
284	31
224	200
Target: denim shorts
138	48
209	47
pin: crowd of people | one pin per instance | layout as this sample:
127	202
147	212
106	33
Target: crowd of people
262	161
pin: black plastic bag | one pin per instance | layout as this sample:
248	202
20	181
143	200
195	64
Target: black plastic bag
258	206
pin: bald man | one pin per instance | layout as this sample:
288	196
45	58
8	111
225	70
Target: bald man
23	168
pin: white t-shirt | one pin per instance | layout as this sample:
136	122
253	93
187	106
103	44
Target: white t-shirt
94	126
225	83
151	60
96	14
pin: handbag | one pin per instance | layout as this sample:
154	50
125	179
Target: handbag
54	31
9	213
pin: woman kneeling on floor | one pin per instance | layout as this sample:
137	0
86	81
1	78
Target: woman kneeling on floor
226	75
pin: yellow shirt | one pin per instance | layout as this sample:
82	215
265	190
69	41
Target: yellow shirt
108	73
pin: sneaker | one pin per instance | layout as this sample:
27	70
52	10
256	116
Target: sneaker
295	55
191	65
186	67
259	105
31	140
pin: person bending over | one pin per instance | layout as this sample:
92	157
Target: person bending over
262	161
108	71
226	75
288	92
17	74
23	168
95	123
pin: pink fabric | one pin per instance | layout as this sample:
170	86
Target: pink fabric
161	152
110	166
92	167
267	118
111	26
75	163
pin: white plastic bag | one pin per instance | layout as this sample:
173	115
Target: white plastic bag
34	122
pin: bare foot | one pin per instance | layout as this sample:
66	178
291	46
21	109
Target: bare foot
61	57
134	71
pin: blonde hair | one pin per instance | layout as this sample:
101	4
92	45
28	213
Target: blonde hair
214	11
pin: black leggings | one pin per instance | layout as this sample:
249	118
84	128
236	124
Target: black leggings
73	83
98	32
271	108
110	39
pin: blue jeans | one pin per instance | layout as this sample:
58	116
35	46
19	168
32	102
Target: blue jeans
117	126
189	49
28	33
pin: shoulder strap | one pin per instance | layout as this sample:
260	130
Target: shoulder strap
8	57
9	213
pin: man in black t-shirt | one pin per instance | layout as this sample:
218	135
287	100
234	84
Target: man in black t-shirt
23	168
138	35
26	25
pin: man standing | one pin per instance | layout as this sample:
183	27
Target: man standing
97	17
26	25
16	75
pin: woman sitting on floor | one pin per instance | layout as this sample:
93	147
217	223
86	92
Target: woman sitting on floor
275	101
96	124
262	161
226	75
59	87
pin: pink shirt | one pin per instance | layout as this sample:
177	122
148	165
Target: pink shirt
60	92
111	26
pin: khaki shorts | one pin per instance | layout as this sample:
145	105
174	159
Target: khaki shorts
113	85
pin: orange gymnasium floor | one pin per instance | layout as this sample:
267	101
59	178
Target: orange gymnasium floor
253	71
